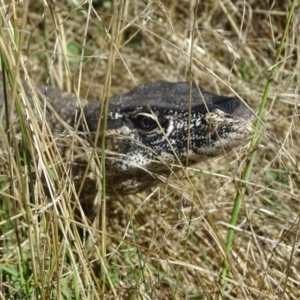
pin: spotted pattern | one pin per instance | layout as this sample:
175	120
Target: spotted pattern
212	128
149	132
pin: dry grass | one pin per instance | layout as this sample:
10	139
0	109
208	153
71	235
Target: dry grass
167	243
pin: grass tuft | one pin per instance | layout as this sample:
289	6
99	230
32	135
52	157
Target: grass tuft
169	242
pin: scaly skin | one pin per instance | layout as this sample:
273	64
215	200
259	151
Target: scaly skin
149	131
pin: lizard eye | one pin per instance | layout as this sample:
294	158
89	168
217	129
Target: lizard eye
146	122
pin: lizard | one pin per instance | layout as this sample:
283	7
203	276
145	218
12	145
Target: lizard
150	130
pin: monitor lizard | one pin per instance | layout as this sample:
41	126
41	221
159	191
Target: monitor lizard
150	131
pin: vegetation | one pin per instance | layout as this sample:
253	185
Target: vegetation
227	228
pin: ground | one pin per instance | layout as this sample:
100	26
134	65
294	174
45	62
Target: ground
171	241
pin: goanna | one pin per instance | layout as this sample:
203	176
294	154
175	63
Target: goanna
150	131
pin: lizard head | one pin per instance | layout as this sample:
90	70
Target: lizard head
158	126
